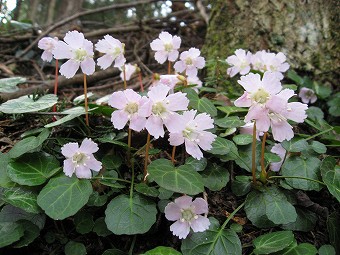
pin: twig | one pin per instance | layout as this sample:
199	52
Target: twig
202	11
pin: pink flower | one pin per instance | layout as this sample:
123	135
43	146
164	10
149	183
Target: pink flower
114	51
80	160
170	80
191	131
248	129
307	95
127	103
129	71
194	80
78	51
186	213
166	47
162	109
281	152
47	44
240	62
268	61
189	62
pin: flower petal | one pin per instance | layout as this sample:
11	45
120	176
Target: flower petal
180	229
200	224
88	66
193	149
184	202
69	68
83	172
88	146
119	118
118	100
154	125
74	39
172	211
105	61
200	206
93	164
69	149
69	167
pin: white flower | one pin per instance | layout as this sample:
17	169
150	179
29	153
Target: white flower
166	47
240	62
47	44
307	95
129	71
189	62
114	51
281	152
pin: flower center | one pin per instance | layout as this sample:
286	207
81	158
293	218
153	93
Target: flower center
131	108
260	96
309	93
168	47
191	134
188	61
187	215
81	54
79	158
116	52
158	108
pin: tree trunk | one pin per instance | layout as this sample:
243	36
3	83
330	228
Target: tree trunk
306	31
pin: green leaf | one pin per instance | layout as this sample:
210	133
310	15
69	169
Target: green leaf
97	200
130	215
309	168
301	249
331	176
319	147
100	227
305	221
244	159
231	109
333	223
271	157
75	248
62	120
291	74
201	104
229	122
31	232
64	196
334	105
243	139
112	162
315	113
83	222
5	181
183	179
323	91
144	189
215	177
327	249
164	193
29	144
198	165
273	242
214	241
220	146
10	232
114	252
241	185
295	146
26	104
161	250
33	169
9	85
24	199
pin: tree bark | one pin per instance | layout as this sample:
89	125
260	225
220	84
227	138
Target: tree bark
306	31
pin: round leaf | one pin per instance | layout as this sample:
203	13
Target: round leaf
31	232
9	85
331	176
243	139
75	248
83	222
24	199
198	165
215	177
327	250
183	179
161	250
63	196
33	169
100	227
220	146
130	215
273	242
10	232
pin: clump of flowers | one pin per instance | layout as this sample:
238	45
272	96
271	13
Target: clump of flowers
79	53
166	47
307	95
80	160
192	132
187	214
113	50
189	62
47	44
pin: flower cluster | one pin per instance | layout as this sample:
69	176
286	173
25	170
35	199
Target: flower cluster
242	62
186	214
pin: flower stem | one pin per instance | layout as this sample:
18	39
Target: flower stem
124	75
296	177
86	104
129	146
132	178
253	155
263	168
109	178
140	81
169	67
146	157
55	84
231	216
173	154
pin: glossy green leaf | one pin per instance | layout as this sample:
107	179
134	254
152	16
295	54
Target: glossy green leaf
331	176
305	221
327	249
24	199
161	250
97	200
229	122
33	169
64	196
333	223
75	248
100	227
241	185
220	146
215	177
10	232
112	162
198	165
273	242
244	160
146	190
5	181
214	241
9	85
31	232
319	147
126	215
301	249
62	120
203	105
243	139
29	144
299	167
84	222
26	104
183	179
231	109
